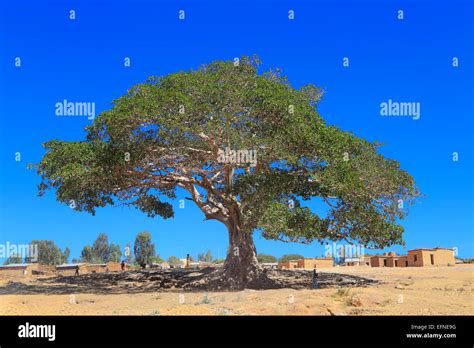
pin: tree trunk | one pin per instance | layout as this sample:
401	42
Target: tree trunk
241	267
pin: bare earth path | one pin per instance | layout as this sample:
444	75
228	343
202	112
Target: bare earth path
344	291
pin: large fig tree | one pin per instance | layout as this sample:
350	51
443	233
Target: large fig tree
248	148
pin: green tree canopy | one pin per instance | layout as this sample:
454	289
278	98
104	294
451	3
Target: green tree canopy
128	254
101	248
48	253
101	251
265	258
290	257
156	259
66	254
143	249
87	254
115	253
248	148
205	257
12	259
174	261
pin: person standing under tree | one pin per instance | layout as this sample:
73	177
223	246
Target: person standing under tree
315	278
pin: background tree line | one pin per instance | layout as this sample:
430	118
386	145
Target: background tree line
48	254
101	251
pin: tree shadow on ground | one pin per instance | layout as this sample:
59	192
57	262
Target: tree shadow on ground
147	281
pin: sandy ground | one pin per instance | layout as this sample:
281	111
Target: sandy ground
400	291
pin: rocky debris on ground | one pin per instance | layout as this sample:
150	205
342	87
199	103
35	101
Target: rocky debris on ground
364	311
303	279
177	279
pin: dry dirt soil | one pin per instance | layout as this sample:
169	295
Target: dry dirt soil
381	291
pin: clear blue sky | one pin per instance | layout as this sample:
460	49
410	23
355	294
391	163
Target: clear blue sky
82	60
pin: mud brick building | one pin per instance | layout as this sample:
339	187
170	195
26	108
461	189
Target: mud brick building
18	269
307	263
357	261
415	258
70	268
85	268
431	257
291	264
25	269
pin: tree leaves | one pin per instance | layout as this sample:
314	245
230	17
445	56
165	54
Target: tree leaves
167	133
143	248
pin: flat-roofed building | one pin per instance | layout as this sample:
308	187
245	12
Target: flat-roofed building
422	257
357	261
378	261
18	269
290	264
311	263
401	261
431	257
269	265
70	268
307	263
